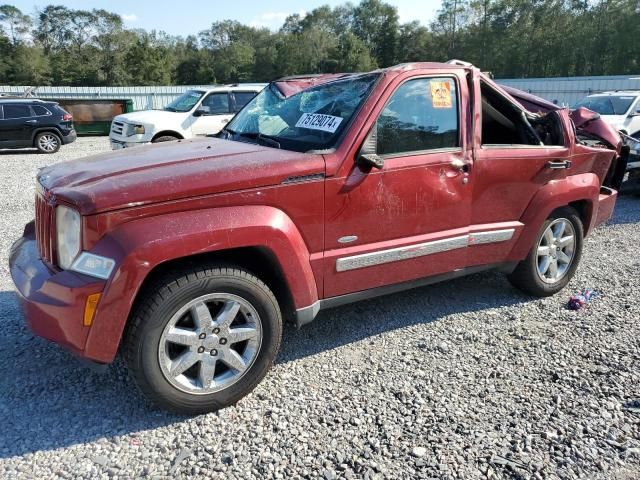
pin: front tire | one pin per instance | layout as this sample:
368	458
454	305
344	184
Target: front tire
201	339
47	142
165	138
554	257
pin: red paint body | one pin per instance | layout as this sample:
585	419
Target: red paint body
150	205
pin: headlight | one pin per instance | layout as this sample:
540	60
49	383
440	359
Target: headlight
134	130
67	235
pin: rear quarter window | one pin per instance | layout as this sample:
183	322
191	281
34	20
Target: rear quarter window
40	111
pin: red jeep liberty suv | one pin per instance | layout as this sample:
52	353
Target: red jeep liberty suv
323	190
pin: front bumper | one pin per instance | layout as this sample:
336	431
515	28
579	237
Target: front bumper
119	144
53	301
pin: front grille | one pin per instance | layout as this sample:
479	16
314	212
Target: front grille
44	228
117	128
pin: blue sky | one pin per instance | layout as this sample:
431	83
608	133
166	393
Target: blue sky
183	18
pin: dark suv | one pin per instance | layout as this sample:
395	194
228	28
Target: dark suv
35	123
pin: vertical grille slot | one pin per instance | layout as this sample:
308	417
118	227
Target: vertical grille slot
44	220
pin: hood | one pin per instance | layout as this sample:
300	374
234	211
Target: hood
592	124
173	170
148	116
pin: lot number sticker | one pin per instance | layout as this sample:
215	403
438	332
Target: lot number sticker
441	94
318	121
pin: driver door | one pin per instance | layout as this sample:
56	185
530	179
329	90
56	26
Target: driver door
219	113
409	219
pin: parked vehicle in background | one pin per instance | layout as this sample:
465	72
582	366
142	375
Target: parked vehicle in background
26	123
620	109
323	190
632	183
195	113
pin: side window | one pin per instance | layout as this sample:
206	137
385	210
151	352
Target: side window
242	98
40	111
16	111
422	114
217	102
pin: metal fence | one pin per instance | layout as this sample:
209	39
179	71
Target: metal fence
144	98
569	90
563	90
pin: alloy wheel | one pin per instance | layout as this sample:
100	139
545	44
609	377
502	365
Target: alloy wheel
210	343
48	142
556	250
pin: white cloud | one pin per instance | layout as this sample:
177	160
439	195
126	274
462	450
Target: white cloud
424	11
271	20
129	17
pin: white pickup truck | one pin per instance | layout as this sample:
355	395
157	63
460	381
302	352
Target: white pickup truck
620	109
195	112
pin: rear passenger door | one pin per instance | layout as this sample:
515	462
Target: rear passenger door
218	116
16	125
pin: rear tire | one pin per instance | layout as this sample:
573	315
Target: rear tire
554	257
47	142
165	138
200	339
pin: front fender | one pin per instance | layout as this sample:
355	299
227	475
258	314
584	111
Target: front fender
141	245
584	187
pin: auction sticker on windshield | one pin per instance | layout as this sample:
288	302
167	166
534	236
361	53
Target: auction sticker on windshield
318	121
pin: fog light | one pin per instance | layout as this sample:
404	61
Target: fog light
90	308
94	265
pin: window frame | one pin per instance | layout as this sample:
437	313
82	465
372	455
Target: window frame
28	107
412	153
516	146
33	111
212	114
233	103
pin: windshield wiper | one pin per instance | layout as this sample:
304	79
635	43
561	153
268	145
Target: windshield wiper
268	140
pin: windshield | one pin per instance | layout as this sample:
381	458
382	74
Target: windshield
608	105
185	102
312	119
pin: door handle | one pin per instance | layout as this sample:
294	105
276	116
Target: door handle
30	122
224	120
460	165
558	164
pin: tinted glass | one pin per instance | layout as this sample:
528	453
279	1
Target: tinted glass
40	111
608	105
217	102
422	114
185	102
16	111
242	98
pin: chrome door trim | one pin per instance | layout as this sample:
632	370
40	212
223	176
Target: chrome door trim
493	236
422	249
400	253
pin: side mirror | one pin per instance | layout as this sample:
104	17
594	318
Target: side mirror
201	111
368	156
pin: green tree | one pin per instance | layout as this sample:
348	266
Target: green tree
376	23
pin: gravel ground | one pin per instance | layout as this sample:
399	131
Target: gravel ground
466	379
